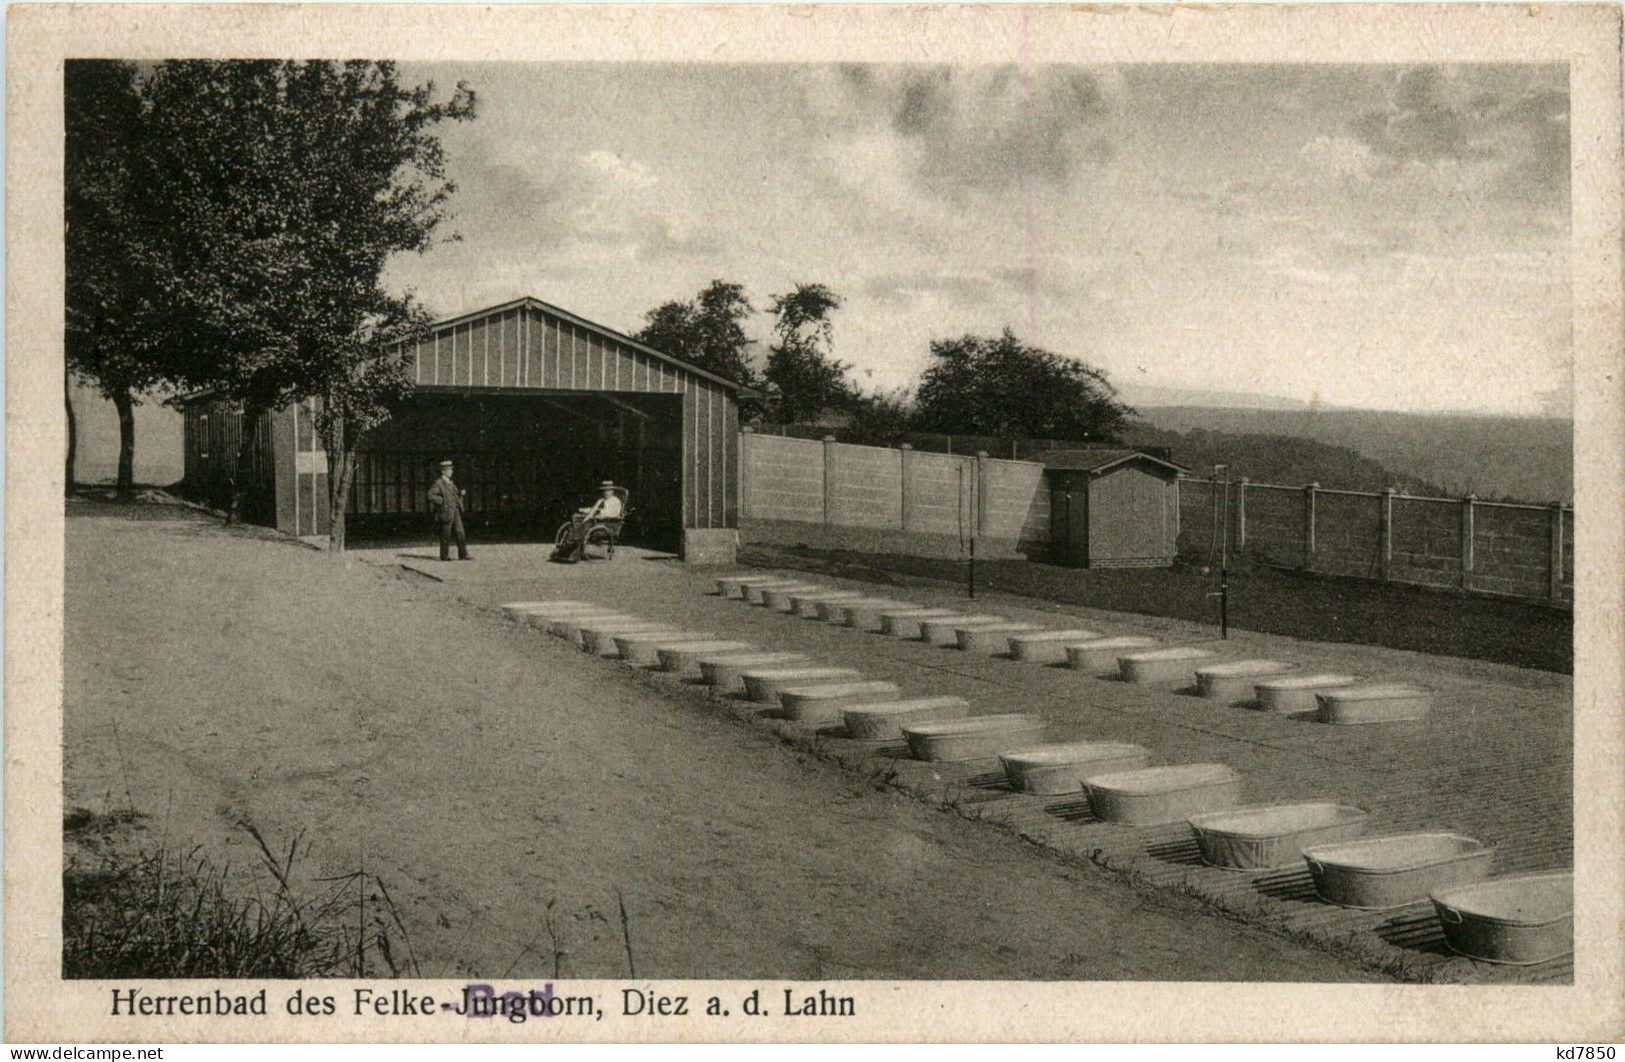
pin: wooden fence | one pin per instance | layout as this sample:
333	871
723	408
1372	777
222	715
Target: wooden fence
1500	548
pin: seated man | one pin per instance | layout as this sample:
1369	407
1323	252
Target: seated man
607	509
608	505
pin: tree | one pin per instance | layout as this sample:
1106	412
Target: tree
109	294
287	188
881	419
803	379
977	385
707	332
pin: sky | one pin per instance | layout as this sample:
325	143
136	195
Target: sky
1361	236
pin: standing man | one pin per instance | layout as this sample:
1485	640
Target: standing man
446	502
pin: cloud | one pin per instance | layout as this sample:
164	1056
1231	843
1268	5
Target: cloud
628	174
902	287
596	203
1449	116
961	132
1335	158
619	206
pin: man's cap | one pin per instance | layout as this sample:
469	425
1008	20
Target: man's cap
606	484
445	464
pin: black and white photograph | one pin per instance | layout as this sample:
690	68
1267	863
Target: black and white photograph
591	546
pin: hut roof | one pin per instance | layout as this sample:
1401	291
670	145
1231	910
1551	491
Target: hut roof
1098	461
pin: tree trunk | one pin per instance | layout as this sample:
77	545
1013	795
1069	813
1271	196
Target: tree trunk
73	430
242	471
340	466
124	402
339	475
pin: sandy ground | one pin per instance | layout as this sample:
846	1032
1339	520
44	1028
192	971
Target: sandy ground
485	772
1492	759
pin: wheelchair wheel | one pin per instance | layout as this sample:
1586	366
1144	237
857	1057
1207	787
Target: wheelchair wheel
598	538
563	534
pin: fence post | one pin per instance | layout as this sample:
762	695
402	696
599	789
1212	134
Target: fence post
903	475
745	434
1554	552
1241	515
1309	525
1386	522
981	492
829	481
1467	539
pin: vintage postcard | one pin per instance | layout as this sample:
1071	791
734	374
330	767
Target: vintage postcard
818	523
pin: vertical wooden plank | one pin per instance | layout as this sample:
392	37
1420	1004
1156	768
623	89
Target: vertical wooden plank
533	368
1385	532
733	469
555	348
690	423
510	349
713	444
905	462
575	355
485	353
1241	514
502	350
540	343
829	480
1309	526
1467	540
1554	552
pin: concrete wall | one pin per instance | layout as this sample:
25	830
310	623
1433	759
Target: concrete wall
867	486
939	491
1015	501
784	479
1481	547
912	501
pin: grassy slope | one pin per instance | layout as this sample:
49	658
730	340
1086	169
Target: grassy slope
1263	600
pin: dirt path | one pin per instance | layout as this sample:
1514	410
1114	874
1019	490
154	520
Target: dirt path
484	773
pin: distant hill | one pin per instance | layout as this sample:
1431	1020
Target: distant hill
1276	459
1142	395
1496	457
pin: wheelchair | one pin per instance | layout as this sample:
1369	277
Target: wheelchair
579	538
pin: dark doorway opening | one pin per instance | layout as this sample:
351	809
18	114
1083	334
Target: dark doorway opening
526	460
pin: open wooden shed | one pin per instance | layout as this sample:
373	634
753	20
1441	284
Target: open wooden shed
535	405
1112	508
